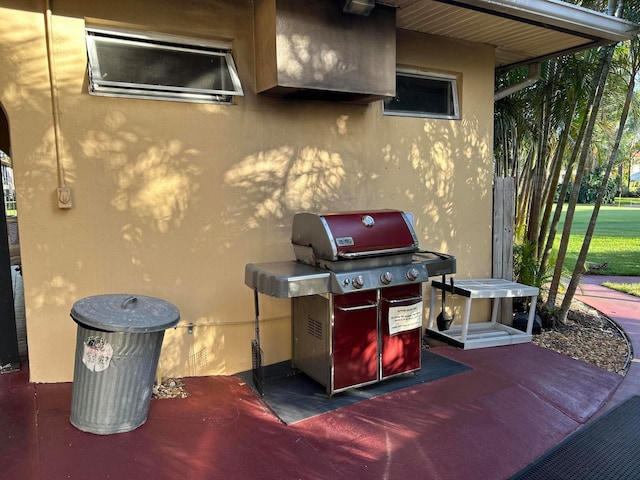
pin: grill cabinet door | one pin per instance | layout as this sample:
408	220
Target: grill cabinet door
355	339
400	351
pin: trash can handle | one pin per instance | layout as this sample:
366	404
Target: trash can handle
128	301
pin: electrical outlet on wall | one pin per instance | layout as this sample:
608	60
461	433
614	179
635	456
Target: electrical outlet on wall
64	197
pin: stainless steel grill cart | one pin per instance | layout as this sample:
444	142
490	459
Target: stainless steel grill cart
356	294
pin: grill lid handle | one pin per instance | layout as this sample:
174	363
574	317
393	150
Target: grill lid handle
374	253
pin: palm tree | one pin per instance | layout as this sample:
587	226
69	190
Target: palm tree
633	53
570	105
555	131
593	105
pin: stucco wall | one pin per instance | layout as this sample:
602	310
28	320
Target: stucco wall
173	199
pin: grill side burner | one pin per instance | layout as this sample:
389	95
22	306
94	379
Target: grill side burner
356	290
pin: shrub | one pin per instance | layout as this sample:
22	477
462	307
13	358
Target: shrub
591	184
526	268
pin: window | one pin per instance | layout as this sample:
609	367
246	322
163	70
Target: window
142	65
424	95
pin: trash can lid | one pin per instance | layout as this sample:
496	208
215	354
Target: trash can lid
125	313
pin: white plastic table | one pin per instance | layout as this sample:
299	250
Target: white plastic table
483	334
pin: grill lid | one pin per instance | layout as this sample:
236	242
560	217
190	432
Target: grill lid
352	235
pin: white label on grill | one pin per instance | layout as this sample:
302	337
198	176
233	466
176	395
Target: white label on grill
345	242
405	318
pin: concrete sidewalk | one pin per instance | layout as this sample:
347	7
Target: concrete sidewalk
625	311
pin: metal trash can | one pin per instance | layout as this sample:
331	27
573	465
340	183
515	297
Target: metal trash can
117	351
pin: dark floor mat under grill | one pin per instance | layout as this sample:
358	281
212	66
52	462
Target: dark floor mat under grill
293	396
605	449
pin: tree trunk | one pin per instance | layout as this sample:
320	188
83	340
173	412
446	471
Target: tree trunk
524	192
584	250
561	197
541	162
556	169
597	92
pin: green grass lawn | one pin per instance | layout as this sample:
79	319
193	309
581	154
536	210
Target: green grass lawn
627	202
616	240
630	288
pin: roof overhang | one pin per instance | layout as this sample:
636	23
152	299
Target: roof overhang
522	32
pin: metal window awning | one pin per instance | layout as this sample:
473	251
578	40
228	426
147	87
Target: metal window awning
522	32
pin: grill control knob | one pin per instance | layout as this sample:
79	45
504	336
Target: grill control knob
386	278
358	281
412	274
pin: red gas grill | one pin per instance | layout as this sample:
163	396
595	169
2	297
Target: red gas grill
356	290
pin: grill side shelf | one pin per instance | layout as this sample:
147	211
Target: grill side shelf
437	263
286	279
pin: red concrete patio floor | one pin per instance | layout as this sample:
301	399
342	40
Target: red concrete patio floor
487	423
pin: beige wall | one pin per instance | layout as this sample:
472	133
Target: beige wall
173	199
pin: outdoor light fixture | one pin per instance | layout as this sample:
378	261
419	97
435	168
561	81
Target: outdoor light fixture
358	7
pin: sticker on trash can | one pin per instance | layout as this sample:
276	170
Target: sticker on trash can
97	354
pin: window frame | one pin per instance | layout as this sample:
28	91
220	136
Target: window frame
453	81
101	87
